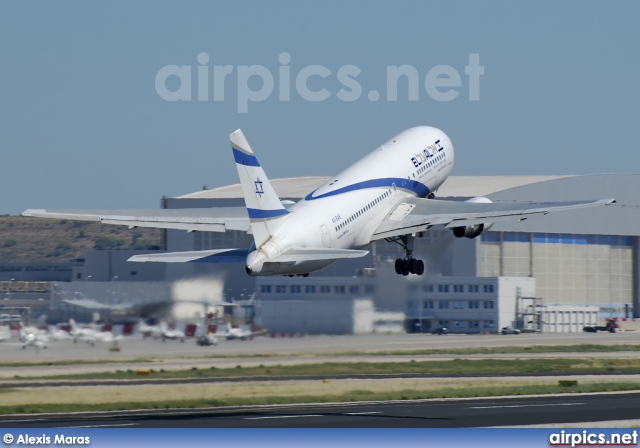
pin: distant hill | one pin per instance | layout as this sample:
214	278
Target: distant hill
25	239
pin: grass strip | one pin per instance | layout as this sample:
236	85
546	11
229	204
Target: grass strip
352	396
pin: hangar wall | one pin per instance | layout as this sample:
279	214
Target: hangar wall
616	220
569	268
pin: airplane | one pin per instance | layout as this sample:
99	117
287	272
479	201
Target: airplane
171	333
31	337
160	331
91	335
243	333
149	331
388	194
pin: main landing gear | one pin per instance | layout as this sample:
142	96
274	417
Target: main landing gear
408	264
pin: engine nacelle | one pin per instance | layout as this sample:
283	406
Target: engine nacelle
474	230
468	231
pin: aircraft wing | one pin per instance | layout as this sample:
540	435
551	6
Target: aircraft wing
417	215
218	219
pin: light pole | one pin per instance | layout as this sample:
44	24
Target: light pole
54	294
9	289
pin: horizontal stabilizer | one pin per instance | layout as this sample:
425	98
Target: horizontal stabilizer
319	253
195	256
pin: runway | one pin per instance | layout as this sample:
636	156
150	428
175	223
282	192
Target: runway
450	413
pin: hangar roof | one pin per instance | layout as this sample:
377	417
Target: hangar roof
621	218
299	187
290	187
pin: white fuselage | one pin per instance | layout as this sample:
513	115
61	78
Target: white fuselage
345	212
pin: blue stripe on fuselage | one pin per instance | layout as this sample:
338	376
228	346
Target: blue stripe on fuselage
255	213
418	188
244	159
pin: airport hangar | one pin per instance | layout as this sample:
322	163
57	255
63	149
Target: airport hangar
554	273
557	272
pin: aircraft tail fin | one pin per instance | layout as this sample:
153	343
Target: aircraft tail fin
266	212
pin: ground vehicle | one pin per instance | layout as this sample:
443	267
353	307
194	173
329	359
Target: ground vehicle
611	326
440	330
207	340
509	330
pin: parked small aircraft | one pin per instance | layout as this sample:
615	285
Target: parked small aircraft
91	335
31	337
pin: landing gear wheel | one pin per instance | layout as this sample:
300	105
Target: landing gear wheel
419	267
398	266
413	266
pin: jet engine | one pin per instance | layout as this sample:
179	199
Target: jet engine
475	230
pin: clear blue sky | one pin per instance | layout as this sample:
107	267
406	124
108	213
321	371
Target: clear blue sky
82	125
